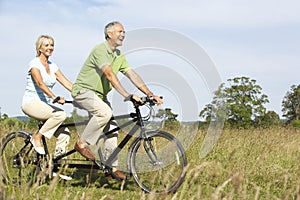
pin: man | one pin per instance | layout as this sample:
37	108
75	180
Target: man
96	78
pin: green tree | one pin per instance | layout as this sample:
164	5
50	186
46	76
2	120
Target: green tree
4	116
170	118
217	108
242	103
271	118
167	112
291	104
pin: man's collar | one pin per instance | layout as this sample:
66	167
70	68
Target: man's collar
108	47
117	52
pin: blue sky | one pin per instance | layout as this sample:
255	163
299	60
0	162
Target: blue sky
258	39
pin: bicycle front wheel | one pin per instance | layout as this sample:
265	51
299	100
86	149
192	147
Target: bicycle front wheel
18	158
158	162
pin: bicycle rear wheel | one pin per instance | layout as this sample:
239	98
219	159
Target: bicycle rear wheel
158	163
19	161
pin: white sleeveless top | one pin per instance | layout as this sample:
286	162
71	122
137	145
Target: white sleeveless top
32	91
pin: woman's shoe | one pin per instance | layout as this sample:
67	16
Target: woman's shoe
40	150
65	177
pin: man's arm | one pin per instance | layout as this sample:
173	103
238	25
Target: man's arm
137	81
113	79
140	84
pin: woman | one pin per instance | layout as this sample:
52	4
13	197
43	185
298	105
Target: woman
41	77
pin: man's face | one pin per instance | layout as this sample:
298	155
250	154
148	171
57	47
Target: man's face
117	35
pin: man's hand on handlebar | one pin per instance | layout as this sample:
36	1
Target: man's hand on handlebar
136	99
158	99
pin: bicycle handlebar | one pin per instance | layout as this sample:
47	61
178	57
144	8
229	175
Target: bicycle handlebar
150	100
58	98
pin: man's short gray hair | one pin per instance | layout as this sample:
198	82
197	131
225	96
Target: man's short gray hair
110	27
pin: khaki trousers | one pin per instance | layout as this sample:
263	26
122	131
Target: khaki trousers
52	117
101	114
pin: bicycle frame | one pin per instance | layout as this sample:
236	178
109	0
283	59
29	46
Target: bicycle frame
135	118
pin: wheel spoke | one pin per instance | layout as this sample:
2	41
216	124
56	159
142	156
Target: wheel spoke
18	159
160	166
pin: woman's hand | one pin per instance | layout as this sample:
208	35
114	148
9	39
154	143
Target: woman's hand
60	100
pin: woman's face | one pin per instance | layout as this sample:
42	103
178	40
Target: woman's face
47	47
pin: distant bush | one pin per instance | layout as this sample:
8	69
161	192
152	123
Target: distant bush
13	122
296	123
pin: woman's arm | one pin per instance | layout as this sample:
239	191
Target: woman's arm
37	77
63	80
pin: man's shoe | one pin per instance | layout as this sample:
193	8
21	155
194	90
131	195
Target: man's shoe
115	175
85	151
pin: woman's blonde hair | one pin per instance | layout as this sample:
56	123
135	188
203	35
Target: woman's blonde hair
40	41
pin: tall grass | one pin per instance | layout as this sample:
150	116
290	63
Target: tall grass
245	164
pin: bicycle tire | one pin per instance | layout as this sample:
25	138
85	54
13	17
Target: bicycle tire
168	172
19	161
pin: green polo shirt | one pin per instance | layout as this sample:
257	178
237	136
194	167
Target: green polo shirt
91	76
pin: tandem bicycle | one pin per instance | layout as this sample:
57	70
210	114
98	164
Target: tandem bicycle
155	159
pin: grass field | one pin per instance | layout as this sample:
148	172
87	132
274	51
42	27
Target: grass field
245	164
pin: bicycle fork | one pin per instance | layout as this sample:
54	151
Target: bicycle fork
150	150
